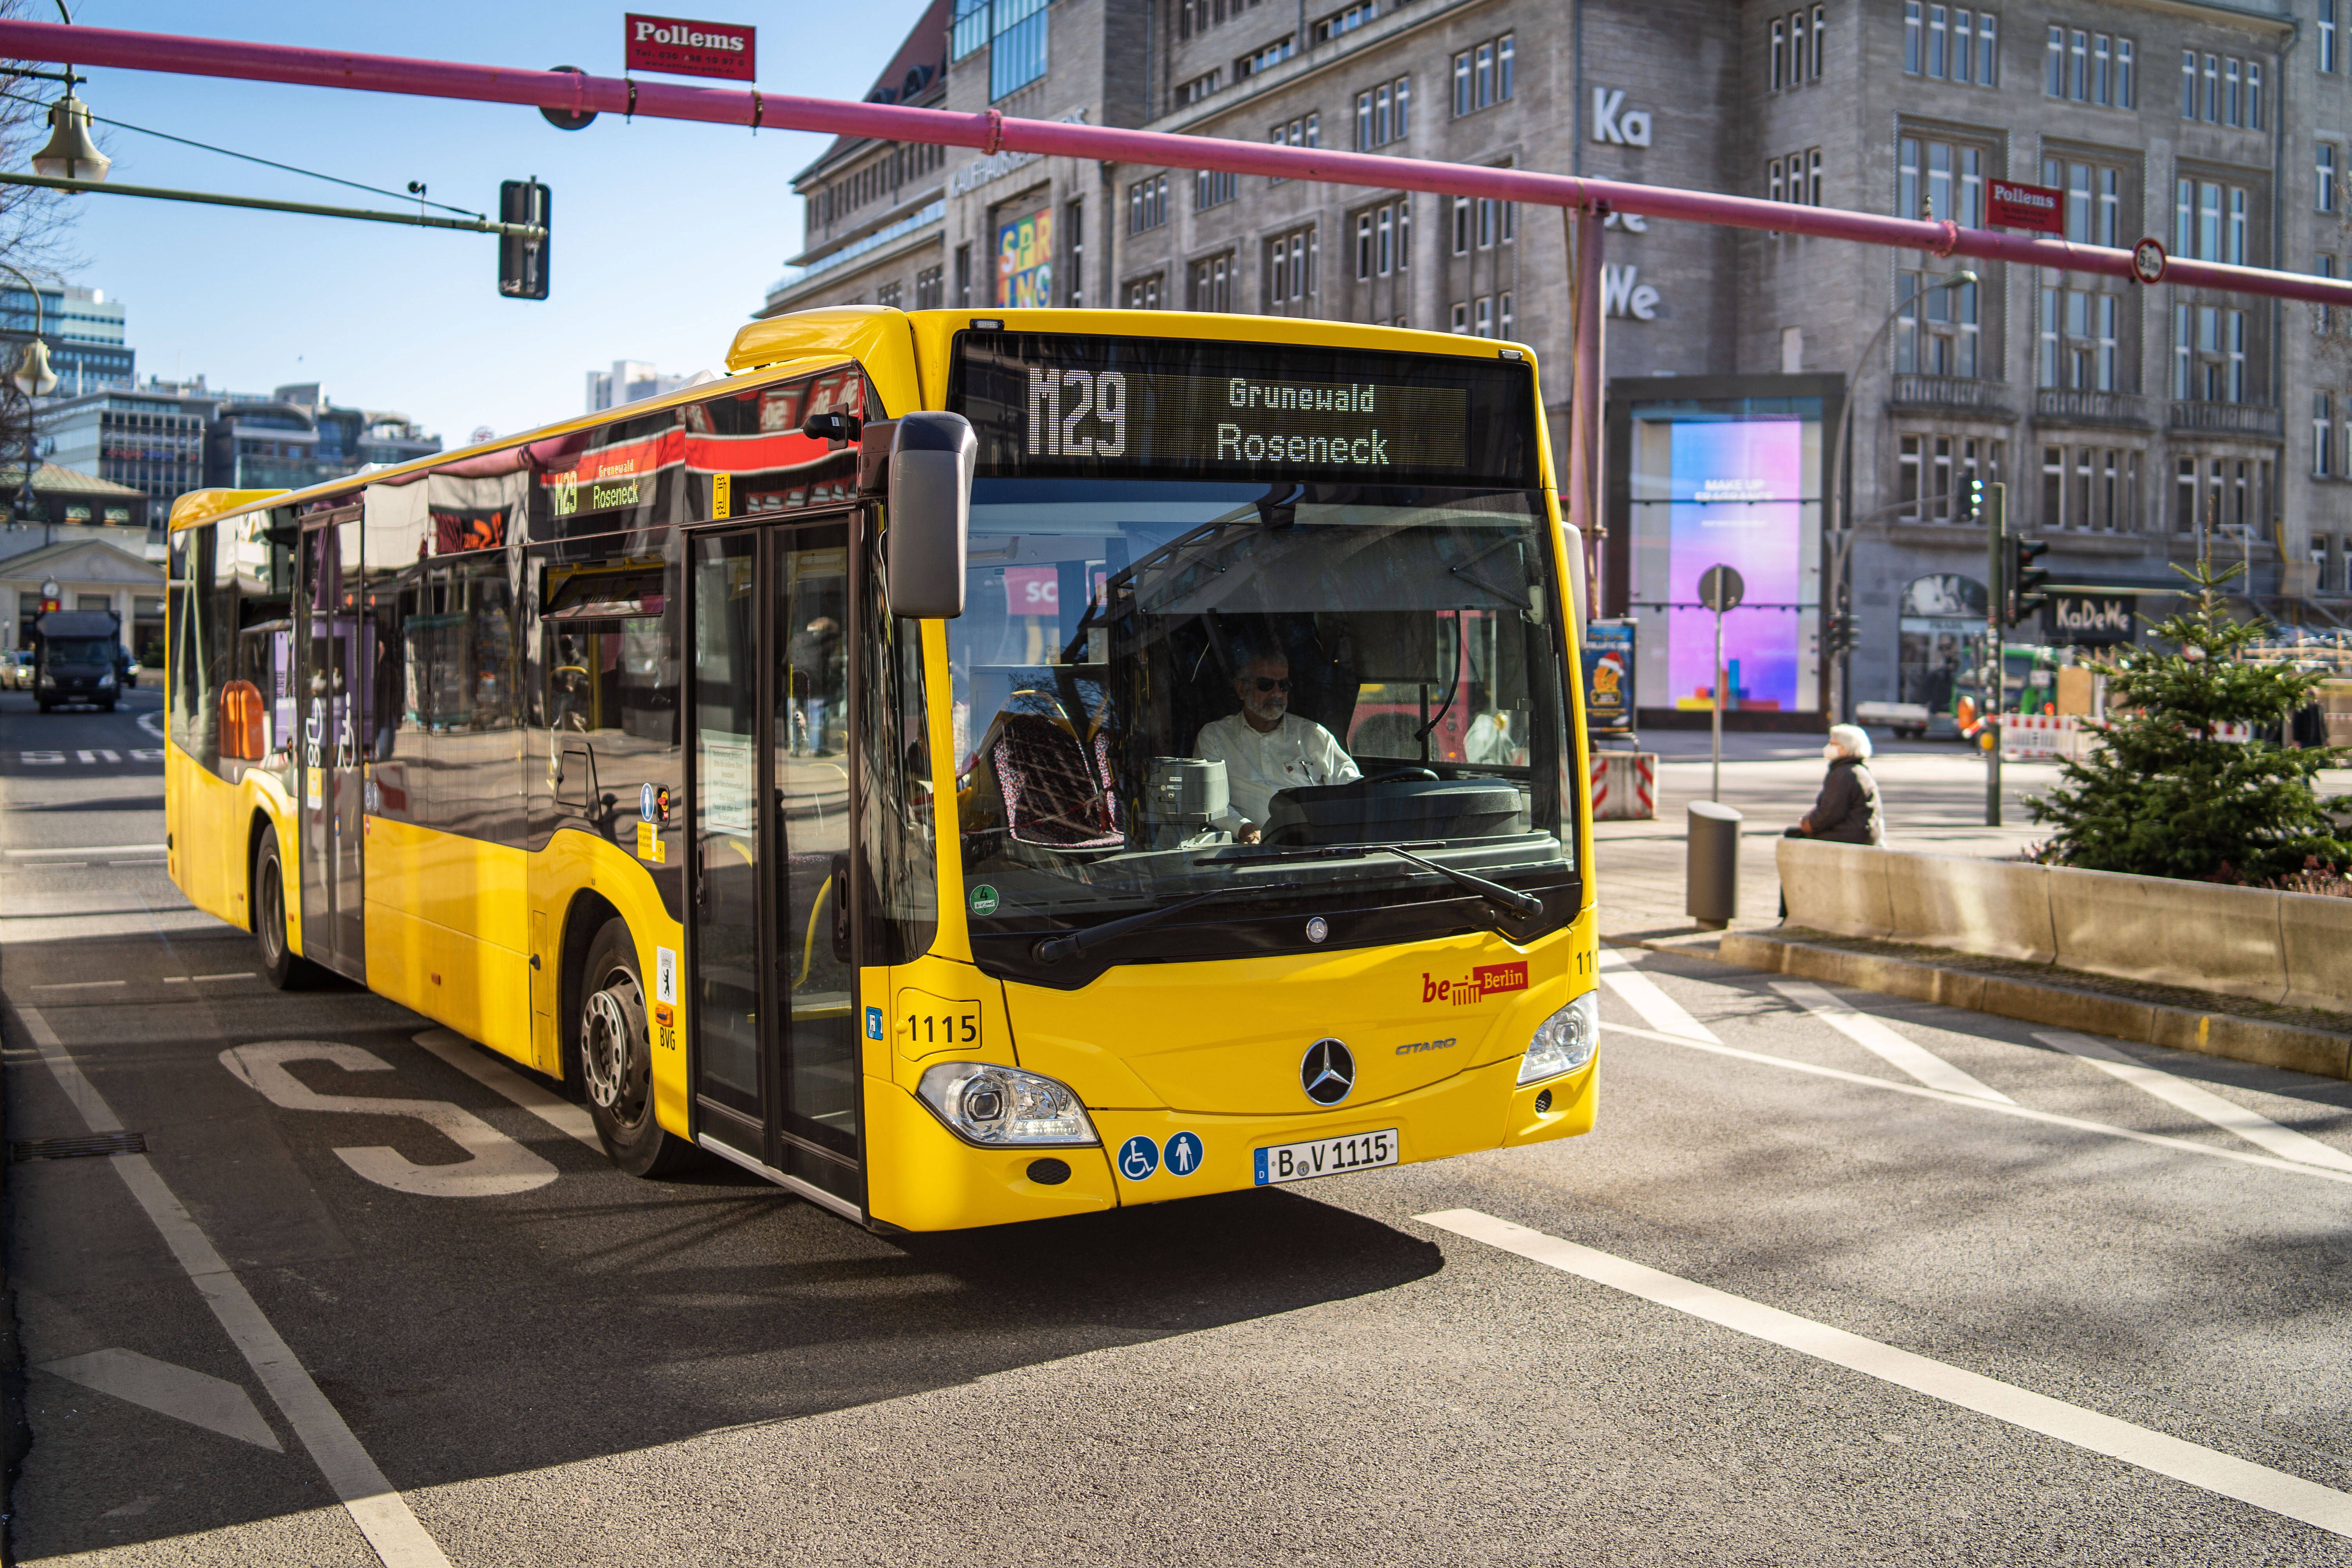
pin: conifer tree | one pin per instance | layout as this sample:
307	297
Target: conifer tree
2164	797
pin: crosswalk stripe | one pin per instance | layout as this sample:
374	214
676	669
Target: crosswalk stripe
1874	1036
1641	993
2252	1126
2210	1469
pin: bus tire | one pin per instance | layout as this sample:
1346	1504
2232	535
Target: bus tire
281	965
615	1056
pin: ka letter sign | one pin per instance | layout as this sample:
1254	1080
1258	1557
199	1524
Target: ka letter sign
678	47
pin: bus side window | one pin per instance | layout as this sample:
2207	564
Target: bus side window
611	631
199	642
901	873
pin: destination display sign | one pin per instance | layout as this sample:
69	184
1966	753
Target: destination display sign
1049	404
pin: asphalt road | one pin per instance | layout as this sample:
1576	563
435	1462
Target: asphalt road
2037	1260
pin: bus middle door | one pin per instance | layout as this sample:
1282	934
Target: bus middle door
334	651
777	1069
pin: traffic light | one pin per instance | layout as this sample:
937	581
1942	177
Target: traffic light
1972	501
1837	633
2021	581
522	263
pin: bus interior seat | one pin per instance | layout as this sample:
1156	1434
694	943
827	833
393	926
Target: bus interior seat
1058	791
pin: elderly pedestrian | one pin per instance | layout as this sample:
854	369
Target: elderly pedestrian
1847	811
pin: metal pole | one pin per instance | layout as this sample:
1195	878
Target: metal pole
1584	500
309	209
991	132
1996	670
1715	776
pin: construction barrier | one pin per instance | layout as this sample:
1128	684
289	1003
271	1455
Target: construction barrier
1625	786
2069	736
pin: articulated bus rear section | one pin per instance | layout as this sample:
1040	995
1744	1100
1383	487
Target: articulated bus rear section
965	769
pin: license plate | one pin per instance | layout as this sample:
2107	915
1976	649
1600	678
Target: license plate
1325	1157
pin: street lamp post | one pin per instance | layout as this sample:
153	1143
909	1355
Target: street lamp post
1841	534
33	377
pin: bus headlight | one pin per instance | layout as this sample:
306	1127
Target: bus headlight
1564	1041
991	1104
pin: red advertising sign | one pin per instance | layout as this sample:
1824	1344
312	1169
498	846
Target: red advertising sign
2037	207
676	46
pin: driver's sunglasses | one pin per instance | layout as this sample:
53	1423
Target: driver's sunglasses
1268	683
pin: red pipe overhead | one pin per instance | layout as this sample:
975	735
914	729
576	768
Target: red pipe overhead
990	132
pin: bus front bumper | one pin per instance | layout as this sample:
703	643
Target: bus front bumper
923	1177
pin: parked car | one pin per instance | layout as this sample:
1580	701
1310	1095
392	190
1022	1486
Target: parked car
16	670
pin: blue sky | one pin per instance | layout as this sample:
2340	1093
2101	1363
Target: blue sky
666	234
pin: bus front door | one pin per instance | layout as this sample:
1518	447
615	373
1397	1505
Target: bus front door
774	975
334	655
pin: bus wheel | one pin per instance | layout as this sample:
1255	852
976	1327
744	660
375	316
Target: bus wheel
280	964
617	1059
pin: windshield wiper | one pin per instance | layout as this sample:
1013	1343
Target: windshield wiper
1054	949
1510	899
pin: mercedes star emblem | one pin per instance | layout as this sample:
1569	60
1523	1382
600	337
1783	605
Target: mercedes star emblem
1317	929
1328	1073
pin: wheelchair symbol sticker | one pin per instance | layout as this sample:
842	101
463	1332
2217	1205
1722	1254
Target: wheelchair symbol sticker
874	1023
1183	1154
1138	1158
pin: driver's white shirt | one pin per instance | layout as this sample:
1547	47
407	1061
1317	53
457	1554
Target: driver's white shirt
1257	764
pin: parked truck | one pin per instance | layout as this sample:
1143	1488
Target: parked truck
75	657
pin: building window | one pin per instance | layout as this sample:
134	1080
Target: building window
1940	180
1273	55
1073	228
2327	35
2323	176
2093	195
1201	86
1503	312
1147	203
1383	114
1796	179
1461	322
1935	473
888	296
1300	131
1383	239
1213	283
2211	221
1482	316
1290	271
1143	293
2323	436
963	276
1213	188
930	291
1481	76
1016	54
2221	89
2322	318
1949	43
1346	21
1936	334
2091	68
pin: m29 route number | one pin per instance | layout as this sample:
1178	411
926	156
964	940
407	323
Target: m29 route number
1059	403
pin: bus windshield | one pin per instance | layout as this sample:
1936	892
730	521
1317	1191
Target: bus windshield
1163	690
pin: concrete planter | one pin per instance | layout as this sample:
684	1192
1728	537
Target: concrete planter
2289	948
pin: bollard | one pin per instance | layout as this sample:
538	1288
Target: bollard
1712	863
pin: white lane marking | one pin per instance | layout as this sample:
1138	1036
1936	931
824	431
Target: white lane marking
2050	1117
1641	993
559	1113
496	1164
181	1392
1873	1035
382	1514
151	722
81	984
87	849
2323	1507
2253	1127
201	979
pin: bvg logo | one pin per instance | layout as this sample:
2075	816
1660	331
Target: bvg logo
1486	980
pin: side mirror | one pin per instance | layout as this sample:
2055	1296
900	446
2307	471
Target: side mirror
932	460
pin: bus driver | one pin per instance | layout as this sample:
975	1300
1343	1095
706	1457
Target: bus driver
1267	748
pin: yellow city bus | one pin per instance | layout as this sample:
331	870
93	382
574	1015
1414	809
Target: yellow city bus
924	766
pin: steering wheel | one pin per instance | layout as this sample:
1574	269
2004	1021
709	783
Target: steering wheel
1419	775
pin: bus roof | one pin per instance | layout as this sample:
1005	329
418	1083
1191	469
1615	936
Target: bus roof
785	346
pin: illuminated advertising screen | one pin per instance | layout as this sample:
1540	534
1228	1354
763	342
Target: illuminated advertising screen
1737	492
1024	260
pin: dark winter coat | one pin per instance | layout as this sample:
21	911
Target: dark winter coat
1847	811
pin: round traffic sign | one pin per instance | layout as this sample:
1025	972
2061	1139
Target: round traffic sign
2148	261
1720	588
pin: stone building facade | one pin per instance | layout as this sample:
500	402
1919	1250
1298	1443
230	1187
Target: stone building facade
2132	425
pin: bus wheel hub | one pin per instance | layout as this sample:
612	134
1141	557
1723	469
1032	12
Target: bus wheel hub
614	1022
